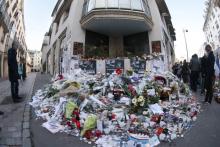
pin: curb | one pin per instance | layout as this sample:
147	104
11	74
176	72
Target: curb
26	134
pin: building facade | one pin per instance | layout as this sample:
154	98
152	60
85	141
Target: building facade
212	24
107	28
12	29
35	60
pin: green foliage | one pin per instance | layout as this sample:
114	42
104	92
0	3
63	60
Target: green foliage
52	92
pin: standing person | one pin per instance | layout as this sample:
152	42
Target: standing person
203	66
195	68
175	69
20	70
24	71
209	74
179	70
13	72
185	72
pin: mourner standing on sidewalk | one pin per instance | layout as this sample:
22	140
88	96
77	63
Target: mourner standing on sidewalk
203	65
209	74
13	72
195	68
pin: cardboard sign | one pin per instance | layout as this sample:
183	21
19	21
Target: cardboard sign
88	65
113	64
138	66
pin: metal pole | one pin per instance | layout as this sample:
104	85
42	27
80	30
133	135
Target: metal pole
184	32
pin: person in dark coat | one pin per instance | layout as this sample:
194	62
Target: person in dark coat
195	68
209	74
13	72
185	72
203	66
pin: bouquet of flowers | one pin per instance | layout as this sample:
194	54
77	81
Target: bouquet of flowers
138	104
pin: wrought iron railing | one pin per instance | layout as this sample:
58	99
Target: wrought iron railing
132	5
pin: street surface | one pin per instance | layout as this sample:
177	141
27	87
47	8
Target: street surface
204	133
15	121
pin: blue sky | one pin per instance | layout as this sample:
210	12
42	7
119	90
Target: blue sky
37	21
186	14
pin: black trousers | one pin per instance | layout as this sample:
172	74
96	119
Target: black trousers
14	89
194	80
209	82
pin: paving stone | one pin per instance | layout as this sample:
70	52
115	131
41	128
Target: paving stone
18	141
10	141
26	142
12	129
2	141
26	118
16	134
27	113
26	125
26	133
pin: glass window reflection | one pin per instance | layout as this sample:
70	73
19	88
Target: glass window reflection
126	4
100	3
113	3
136	4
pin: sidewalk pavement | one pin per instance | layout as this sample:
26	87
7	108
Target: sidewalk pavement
15	121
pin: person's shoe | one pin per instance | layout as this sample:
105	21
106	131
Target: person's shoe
17	100
207	103
1	113
20	98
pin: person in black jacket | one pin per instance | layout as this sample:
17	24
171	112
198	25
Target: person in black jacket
13	72
209	73
195	68
185	72
203	65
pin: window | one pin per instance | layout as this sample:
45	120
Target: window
136	4
113	3
125	4
100	4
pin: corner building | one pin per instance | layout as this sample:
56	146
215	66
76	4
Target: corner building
108	28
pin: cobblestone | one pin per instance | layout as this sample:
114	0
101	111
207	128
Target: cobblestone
16	134
12	129
26	118
26	133
26	142
26	125
11	122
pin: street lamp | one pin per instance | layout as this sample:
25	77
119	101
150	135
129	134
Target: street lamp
184	32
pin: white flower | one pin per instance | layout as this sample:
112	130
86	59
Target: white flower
145	112
134	101
140	99
142	104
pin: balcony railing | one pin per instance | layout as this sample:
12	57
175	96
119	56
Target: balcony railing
132	5
4	15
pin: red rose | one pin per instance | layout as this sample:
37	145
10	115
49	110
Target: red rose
159	131
118	71
78	124
68	124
